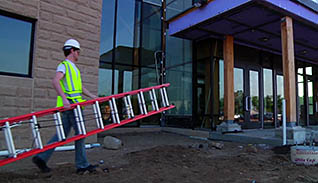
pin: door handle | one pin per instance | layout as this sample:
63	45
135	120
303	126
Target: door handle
246	103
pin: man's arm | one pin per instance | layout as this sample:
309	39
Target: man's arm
87	93
57	87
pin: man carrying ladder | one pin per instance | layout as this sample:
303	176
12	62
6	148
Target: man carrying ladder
68	85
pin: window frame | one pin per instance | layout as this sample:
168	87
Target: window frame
28	20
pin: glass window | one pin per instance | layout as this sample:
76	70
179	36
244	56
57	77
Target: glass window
178	51
107	30
16	45
221	90
151	33
175	7
254	93
127	35
105	80
180	90
280	96
126	79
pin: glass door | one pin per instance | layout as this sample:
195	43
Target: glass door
268	115
251	102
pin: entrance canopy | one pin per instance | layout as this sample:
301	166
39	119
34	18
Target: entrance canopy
255	23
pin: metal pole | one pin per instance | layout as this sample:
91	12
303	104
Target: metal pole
284	122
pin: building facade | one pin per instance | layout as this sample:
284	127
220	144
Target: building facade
124	42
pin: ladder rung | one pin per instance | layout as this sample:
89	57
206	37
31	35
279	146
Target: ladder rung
82	125
166	96
153	98
163	99
142	103
114	112
9	140
130	107
78	122
59	126
36	132
98	115
127	107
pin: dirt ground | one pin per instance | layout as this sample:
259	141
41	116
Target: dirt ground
165	157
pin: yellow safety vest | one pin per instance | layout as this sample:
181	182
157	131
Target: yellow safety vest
73	86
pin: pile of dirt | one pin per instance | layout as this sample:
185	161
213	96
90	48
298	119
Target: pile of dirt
164	157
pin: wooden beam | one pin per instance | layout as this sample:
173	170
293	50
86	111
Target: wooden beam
228	54
287	38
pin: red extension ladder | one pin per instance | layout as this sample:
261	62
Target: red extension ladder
7	124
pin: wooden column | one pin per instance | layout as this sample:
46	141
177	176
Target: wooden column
228	54
289	69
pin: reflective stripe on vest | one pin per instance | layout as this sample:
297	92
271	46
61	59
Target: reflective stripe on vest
73	86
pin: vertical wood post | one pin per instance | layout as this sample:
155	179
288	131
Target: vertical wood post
287	38
228	53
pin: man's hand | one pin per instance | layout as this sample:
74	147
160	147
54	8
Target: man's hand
66	104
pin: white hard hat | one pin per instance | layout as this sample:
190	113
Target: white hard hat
71	43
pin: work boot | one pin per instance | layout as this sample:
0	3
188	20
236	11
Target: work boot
41	164
89	169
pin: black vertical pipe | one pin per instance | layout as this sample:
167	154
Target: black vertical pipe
114	48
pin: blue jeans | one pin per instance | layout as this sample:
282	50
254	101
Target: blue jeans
68	120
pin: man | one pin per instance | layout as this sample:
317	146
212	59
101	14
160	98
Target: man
68	85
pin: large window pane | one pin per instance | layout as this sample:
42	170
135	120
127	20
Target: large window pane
151	33
105	80
180	90
15	45
128	18
175	7
178	51
107	30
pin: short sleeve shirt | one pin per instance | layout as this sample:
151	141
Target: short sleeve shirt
61	67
